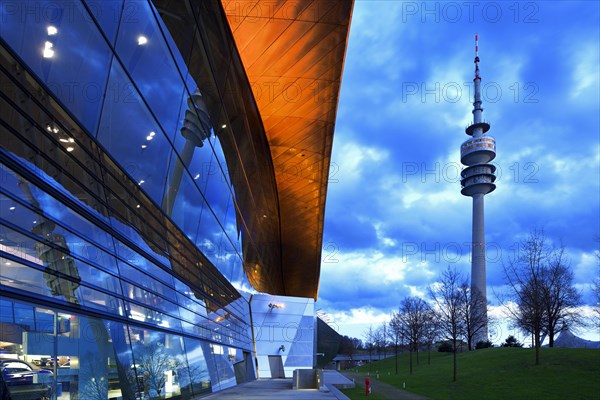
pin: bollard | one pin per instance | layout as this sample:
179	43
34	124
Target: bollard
367	386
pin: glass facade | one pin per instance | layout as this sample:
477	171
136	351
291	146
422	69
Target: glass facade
125	235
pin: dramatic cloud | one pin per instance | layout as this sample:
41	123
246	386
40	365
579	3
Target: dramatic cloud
395	216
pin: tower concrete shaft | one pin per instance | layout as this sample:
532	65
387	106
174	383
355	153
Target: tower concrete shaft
477	181
478	269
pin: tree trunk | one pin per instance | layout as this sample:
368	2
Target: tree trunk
454	366
417	352
396	350
429	355
537	348
370	360
551	337
410	358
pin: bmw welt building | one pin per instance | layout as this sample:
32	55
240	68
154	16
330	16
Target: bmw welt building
163	175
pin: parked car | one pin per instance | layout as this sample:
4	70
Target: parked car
26	381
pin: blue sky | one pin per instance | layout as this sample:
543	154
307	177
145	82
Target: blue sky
395	217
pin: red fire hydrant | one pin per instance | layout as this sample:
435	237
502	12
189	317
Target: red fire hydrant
367	386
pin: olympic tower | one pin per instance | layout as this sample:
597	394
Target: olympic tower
477	181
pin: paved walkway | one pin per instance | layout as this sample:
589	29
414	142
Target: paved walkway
332	377
383	389
280	389
268	389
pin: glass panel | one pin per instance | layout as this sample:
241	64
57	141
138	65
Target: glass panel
188	208
140	262
198	368
137	228
150	316
146	57
131	135
25	349
123	362
150	299
223	363
86	359
187	298
160	363
59	41
40	252
148	61
20	187
108	13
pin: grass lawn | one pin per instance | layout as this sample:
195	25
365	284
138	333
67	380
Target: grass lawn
359	393
498	373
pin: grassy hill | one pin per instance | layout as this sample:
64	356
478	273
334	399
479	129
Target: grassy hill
499	373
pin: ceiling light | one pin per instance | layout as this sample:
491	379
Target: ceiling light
138	206
224	126
48	52
152	134
70	149
148	137
64	140
71	140
197	177
142	181
142	40
12	208
52	30
144	146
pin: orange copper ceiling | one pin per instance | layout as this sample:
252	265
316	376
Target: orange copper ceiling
293	53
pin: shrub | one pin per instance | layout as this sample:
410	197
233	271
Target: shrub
483	344
445	347
511	341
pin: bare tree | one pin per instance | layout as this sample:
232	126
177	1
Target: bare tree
524	274
559	295
347	346
431	332
395	334
596	291
378	340
96	387
384	338
449	307
542	289
413	315
369	336
381	339
154	361
474	322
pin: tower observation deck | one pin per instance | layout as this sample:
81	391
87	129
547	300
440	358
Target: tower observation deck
478	180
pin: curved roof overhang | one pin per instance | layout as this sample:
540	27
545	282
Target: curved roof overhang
293	53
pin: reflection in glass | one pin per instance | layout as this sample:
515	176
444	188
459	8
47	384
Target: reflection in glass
131	135
196	128
60	42
58	264
198	369
161	369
